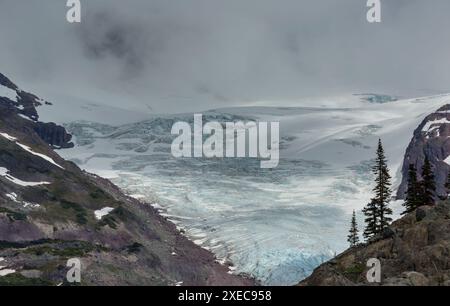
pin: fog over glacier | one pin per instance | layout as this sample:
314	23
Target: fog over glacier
177	56
121	78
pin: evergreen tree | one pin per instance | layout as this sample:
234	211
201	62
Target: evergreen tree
378	211
353	237
382	188
413	194
428	184
371	220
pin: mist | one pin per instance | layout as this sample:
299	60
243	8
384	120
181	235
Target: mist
179	56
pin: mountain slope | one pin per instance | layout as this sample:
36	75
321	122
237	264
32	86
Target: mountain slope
51	211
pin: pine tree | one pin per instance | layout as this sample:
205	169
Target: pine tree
371	220
382	189
353	237
413	194
428	184
378	211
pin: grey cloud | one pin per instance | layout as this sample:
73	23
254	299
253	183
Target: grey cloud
194	54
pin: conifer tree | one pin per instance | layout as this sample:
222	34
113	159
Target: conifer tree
353	237
378	212
371	220
413	194
382	188
428	184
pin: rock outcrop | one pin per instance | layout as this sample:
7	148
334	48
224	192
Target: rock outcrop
25	105
431	139
54	135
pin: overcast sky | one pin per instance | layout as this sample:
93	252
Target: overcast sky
182	55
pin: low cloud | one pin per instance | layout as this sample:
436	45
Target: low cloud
199	54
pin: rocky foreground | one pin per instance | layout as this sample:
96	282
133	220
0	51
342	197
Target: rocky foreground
414	251
51	211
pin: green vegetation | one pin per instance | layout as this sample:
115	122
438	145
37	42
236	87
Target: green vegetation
413	194
134	248
108	221
378	212
80	212
423	192
354	272
17	279
353	237
13	215
112	220
428	184
22	245
98	194
59	248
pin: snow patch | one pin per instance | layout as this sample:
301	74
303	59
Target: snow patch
4	172
12	196
5	272
8	137
29	150
447	160
45	157
427	126
25	117
99	214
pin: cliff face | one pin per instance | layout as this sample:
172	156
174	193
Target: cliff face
24	104
431	139
414	251
51	211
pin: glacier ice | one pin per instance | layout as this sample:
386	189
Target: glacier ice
275	224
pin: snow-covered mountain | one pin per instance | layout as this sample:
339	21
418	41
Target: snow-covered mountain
275	224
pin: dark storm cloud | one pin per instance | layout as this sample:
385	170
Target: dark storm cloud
193	54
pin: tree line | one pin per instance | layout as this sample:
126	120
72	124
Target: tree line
377	212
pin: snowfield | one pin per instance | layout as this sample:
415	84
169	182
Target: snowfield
278	224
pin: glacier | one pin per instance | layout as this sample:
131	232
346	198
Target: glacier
274	224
